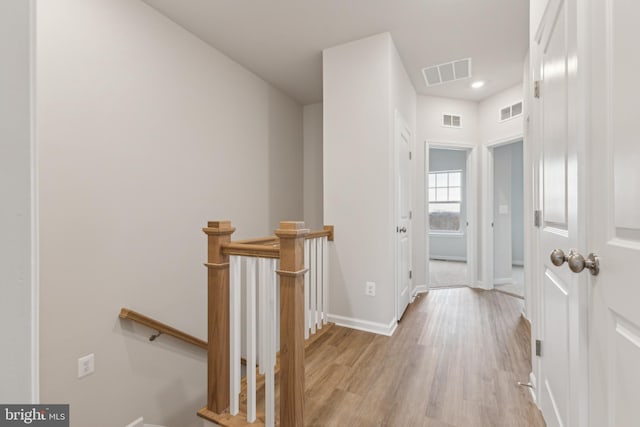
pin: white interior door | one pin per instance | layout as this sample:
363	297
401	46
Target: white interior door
562	293
615	222
403	216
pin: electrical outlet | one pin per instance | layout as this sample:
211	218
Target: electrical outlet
86	365
370	289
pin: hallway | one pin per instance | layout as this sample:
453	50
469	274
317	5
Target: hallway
454	361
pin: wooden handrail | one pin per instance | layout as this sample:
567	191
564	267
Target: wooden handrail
267	247
251	250
259	240
126	313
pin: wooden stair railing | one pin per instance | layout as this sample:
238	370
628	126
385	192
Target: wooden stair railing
289	247
162	328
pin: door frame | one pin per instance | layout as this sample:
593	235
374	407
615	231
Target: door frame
471	201
399	123
488	264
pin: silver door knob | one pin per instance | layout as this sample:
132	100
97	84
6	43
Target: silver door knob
558	257
576	261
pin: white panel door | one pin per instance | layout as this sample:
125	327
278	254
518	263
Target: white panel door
614	226
403	219
562	293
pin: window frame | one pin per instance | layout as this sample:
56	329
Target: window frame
449	233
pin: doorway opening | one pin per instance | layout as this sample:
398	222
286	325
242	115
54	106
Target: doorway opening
448	217
508	219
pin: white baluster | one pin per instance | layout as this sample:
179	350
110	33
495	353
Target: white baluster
325	278
320	262
313	278
251	339
234	333
270	335
262	312
307	317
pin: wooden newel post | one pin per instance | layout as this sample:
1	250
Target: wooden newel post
291	234
218	370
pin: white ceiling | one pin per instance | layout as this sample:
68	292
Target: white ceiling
282	40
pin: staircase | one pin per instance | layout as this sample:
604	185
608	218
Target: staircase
293	263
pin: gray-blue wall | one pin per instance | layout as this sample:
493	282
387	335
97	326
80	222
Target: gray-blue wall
450	246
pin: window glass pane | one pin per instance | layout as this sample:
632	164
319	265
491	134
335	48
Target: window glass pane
454	194
441	179
432	180
441	194
454	179
432	194
444	216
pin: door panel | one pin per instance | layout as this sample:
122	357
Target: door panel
562	292
403	206
554	118
615	220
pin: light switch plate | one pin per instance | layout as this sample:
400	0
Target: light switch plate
86	365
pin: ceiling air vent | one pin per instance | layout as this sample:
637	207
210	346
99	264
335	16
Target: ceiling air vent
451	120
447	72
510	111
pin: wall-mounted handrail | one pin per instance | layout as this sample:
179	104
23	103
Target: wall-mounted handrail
163	328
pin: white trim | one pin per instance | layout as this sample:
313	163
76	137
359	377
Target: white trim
487	181
517	262
420	289
503	281
447	235
495	143
471	202
447	258
35	215
365	325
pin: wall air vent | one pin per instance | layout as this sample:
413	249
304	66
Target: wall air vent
447	72
510	111
451	120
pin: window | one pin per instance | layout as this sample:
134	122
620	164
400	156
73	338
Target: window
445	199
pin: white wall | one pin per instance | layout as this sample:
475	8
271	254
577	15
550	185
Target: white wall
447	245
492	132
145	134
312	124
429	129
363	85
517	203
502	214
491	128
16	278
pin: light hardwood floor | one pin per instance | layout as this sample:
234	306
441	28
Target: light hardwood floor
454	361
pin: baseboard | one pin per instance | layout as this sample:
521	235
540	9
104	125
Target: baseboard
480	285
422	289
365	325
447	258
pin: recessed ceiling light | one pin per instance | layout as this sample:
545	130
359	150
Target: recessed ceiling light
477	85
